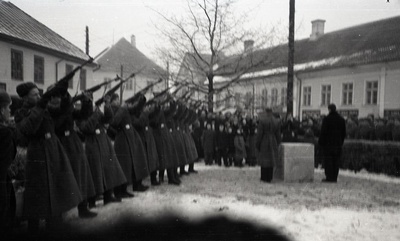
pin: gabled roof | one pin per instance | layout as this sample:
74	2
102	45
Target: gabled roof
18	27
368	43
125	54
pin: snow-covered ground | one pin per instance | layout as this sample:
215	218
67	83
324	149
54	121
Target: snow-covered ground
360	206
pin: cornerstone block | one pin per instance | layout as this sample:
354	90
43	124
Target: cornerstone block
296	163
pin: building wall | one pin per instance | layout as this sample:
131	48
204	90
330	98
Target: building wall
387	77
392	86
386	74
50	72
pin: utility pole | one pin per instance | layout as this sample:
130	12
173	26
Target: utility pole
253	104
87	40
290	59
121	92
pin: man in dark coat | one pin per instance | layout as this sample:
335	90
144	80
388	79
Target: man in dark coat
50	186
64	120
267	143
7	154
333	132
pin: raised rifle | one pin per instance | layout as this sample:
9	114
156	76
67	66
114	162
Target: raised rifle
170	95
64	81
143	91
110	92
61	86
158	95
185	97
95	88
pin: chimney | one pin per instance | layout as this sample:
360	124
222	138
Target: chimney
133	40
248	45
318	26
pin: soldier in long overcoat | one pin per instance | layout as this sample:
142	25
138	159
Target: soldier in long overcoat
50	185
178	137
147	135
186	122
164	145
7	154
128	147
267	143
64	120
106	170
172	173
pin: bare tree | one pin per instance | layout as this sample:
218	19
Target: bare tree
208	42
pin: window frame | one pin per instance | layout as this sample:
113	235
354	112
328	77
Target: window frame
38	70
68	69
264	98
284	96
372	91
307	99
346	93
3	86
17	72
326	94
82	79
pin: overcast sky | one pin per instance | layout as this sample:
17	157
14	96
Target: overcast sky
110	20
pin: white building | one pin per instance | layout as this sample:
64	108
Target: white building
123	59
357	68
31	52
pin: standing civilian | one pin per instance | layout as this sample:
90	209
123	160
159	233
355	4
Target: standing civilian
333	132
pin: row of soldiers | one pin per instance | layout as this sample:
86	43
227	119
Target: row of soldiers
78	151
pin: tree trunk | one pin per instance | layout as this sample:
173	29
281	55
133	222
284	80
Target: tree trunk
210	98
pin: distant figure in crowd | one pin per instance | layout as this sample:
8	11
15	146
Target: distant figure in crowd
7	154
333	132
208	139
240	148
267	142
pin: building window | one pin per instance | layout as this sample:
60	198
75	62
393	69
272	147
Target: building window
325	95
38	65
149	82
257	100
274	97
227	100
17	65
264	98
129	84
82	79
248	100
68	69
347	94
283	96
107	86
372	92
217	100
307	96
3	86
237	99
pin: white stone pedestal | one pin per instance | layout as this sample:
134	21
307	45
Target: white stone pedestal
296	163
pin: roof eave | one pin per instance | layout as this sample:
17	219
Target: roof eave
23	43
